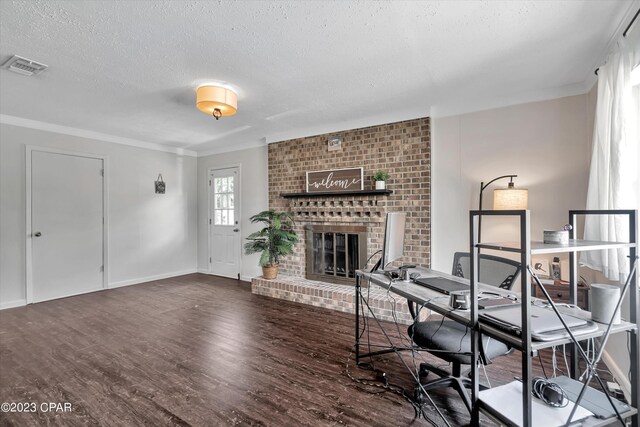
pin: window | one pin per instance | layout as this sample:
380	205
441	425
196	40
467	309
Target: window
223	201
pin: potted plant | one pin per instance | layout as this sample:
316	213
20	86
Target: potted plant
381	178
274	241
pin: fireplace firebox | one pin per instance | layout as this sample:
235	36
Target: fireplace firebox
335	252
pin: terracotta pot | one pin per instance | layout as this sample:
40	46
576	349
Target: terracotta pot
270	271
380	185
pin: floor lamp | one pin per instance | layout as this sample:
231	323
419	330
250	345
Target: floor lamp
509	198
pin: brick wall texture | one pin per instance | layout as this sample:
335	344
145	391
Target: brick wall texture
403	149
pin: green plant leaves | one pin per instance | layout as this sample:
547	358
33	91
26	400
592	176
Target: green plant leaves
275	240
264	259
381	176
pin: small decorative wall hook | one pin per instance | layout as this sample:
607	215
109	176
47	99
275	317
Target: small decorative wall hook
160	185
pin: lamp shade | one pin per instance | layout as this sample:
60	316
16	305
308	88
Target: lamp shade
510	198
211	98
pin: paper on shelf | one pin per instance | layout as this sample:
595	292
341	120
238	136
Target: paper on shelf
543	414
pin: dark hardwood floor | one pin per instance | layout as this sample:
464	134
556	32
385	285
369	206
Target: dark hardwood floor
201	350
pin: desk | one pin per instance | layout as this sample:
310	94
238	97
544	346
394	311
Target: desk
424	297
439	303
420	295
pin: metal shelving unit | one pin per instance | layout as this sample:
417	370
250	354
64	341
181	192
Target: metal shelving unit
525	247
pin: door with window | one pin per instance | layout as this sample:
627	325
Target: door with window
224	220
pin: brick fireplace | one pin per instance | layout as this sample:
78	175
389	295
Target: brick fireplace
403	149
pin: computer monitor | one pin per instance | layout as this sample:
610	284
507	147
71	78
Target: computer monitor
393	246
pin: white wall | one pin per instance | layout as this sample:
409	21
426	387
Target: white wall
254	195
150	235
547	144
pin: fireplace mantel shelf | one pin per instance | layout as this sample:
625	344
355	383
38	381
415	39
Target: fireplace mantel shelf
341	194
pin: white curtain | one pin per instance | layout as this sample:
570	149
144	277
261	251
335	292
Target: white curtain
614	175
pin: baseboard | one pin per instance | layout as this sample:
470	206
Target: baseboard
150	278
22	302
620	376
243	278
12	304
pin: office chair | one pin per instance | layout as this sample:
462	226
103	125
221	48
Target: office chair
496	271
451	341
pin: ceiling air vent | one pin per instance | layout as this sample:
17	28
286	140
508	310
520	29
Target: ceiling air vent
24	66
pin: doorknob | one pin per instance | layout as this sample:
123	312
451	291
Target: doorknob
37	234
235	230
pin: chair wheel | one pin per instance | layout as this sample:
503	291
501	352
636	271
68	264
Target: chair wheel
419	396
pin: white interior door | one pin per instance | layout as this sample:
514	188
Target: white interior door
67	251
224	219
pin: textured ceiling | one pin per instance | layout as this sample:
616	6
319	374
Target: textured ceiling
130	68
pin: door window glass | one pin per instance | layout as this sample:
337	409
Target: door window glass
223	201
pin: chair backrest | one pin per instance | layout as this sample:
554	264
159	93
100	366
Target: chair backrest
495	271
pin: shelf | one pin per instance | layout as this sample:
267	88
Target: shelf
490	403
549	248
527	410
515	341
341	194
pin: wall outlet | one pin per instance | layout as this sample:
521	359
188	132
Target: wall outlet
541	267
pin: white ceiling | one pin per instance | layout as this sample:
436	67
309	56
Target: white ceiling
128	70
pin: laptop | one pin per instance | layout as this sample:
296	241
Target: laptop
441	284
593	400
544	323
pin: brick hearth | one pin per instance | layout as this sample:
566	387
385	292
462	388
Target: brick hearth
335	297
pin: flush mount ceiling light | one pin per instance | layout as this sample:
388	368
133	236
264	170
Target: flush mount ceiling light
216	100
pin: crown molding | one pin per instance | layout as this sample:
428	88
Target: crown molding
232	148
345	125
540	95
84	133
